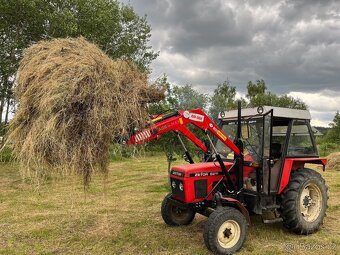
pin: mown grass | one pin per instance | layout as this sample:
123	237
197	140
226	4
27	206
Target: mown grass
122	216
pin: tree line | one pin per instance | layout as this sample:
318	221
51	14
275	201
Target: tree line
121	33
222	98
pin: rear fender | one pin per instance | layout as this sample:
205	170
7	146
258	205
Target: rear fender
297	163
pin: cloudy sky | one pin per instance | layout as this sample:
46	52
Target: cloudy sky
293	45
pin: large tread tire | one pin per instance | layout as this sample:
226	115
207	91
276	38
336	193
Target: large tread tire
215	224
291	208
173	215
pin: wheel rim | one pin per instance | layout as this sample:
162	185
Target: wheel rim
310	202
228	234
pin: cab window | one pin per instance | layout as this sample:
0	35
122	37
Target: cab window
300	141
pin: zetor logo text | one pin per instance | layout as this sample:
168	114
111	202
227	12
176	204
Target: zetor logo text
203	174
194	116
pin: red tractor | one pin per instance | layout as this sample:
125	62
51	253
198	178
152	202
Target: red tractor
255	163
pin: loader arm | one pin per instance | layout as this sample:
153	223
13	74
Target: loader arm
178	121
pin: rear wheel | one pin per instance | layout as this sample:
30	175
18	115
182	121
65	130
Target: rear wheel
174	215
225	231
304	202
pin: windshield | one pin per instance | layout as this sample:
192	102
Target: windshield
251	136
230	130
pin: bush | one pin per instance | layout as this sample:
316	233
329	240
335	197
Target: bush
327	148
123	151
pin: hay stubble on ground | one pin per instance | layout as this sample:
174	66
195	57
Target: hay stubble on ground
59	218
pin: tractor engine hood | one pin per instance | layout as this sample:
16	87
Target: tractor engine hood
199	169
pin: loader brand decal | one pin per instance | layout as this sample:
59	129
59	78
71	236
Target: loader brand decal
196	117
180	174
193	116
203	174
143	135
180	120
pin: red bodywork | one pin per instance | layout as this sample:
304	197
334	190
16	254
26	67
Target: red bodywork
188	174
178	123
295	164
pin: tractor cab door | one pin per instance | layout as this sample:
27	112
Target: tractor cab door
266	151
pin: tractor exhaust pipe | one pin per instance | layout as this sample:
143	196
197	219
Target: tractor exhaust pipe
239	130
239	144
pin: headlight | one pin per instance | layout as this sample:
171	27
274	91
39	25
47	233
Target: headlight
181	186
173	184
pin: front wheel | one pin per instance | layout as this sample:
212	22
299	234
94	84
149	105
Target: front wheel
304	202
225	231
174	215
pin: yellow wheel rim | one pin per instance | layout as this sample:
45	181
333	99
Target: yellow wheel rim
310	202
228	234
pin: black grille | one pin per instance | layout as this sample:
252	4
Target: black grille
175	188
201	188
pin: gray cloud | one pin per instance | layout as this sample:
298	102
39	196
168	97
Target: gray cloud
294	45
295	10
208	24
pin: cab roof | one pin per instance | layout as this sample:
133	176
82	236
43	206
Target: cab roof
277	112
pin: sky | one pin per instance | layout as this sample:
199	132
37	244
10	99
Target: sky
293	45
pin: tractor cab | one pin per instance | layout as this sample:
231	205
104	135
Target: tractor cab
276	140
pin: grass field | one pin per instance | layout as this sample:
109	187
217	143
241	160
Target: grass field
122	216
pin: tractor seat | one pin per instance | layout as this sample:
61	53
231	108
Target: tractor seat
276	150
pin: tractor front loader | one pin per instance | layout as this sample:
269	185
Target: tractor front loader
255	163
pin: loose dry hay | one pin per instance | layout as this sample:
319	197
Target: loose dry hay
72	100
334	161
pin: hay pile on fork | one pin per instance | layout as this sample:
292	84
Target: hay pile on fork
72	100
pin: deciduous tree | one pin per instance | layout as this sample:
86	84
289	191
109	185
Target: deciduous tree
223	99
333	135
258	95
114	27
